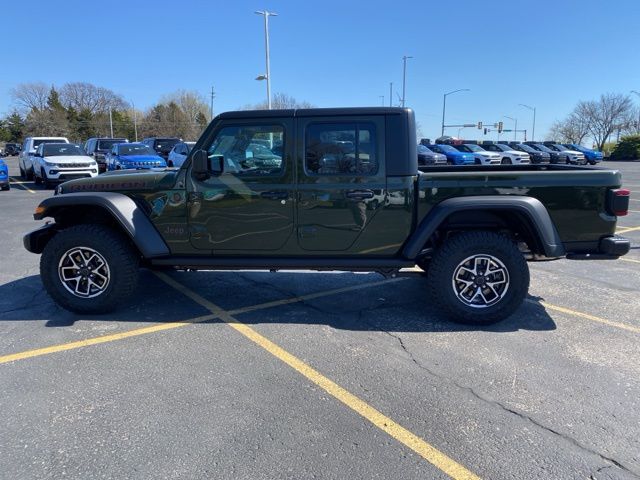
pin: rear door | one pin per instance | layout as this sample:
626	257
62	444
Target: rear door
249	207
341	180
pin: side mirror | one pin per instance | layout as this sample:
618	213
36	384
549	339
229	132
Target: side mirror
204	166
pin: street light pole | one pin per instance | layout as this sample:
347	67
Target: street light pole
444	104
382	99
404	77
390	93
533	131
266	14
515	128
135	121
212	97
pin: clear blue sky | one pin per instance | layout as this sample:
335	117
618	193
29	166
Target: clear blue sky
545	53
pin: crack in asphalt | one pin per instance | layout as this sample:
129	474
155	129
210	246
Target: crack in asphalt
521	415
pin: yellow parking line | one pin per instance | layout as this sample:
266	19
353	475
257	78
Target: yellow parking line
586	316
629	260
167	326
21	184
97	340
384	423
627	229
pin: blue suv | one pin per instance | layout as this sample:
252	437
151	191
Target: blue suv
4	176
138	156
454	156
592	156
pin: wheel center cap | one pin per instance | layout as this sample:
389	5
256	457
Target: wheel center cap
480	281
84	272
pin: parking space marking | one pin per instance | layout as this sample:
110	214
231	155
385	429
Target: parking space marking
167	326
21	185
629	260
366	411
627	229
593	318
634	200
103	339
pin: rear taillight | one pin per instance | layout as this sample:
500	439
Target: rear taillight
618	201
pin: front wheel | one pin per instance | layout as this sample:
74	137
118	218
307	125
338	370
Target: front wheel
506	161
89	269
478	278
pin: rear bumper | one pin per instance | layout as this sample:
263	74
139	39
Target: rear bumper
609	248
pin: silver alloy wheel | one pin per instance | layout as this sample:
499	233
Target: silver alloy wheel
480	281
84	272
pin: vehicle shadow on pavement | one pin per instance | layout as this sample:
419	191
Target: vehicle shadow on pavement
405	307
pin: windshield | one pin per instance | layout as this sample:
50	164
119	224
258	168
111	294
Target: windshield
107	144
135	149
189	146
474	148
543	148
59	149
579	148
524	148
165	144
447	148
47	140
423	149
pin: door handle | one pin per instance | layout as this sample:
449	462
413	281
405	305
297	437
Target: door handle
275	195
359	194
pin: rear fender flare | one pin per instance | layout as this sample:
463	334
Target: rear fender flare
531	208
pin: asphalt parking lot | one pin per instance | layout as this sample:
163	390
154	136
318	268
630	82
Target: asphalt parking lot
252	375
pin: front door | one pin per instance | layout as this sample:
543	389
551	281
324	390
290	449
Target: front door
249	207
342	180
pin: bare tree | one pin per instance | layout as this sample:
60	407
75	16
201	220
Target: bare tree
86	96
572	129
30	96
190	102
609	114
279	101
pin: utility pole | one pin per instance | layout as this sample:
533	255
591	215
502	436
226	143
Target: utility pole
638	94
212	97
404	77
390	93
382	99
266	14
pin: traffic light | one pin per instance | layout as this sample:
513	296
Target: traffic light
479	125
486	130
500	127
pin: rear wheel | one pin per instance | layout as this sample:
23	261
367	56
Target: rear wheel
478	278
89	269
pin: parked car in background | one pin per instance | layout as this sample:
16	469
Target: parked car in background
566	154
536	156
11	149
426	156
162	146
592	156
481	156
59	162
454	157
179	153
137	156
99	147
508	156
26	160
554	156
4	176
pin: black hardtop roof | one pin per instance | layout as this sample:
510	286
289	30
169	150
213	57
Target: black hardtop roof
314	112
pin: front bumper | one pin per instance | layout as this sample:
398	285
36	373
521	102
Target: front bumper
55	174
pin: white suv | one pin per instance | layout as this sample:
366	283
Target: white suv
59	162
508	156
26	158
569	156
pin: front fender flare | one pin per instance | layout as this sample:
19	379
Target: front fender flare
134	222
530	207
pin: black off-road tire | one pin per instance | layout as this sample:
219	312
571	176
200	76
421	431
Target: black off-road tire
448	258
121	258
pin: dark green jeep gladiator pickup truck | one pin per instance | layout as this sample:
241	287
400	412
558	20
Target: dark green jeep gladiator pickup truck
326	189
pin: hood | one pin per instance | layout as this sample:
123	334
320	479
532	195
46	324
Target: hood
124	181
69	159
140	158
488	154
